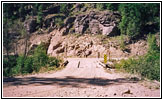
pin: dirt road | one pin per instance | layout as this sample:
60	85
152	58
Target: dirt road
89	80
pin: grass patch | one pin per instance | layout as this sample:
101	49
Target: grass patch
122	43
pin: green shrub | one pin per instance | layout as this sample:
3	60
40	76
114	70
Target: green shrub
6	71
129	65
150	67
19	65
63	7
40	57
122	43
130	23
8	64
28	65
40	15
112	6
152	44
52	61
16	70
100	6
59	22
147	66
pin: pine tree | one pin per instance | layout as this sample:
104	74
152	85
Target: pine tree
40	15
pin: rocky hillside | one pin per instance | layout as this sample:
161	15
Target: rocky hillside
86	45
91	22
83	30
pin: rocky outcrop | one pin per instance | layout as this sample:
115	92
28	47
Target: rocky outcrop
33	41
81	24
56	47
83	46
94	27
98	22
82	21
69	20
68	23
36	40
50	20
88	46
30	25
93	22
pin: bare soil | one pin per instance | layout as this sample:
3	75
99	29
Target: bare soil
89	80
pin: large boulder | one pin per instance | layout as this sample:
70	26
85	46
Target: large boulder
94	27
55	43
88	53
60	50
110	31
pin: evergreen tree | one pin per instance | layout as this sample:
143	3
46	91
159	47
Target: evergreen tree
112	6
100	6
40	15
64	8
136	16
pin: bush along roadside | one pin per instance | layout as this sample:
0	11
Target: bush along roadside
147	66
30	64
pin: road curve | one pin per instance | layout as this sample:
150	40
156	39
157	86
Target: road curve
84	79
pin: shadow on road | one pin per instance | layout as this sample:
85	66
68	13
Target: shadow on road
67	81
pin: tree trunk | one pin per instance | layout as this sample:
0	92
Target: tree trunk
26	45
7	53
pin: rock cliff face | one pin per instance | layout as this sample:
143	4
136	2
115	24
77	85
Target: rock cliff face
78	36
98	23
92	22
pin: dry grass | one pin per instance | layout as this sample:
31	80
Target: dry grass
51	69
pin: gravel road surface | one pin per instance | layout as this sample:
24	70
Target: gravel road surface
87	79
